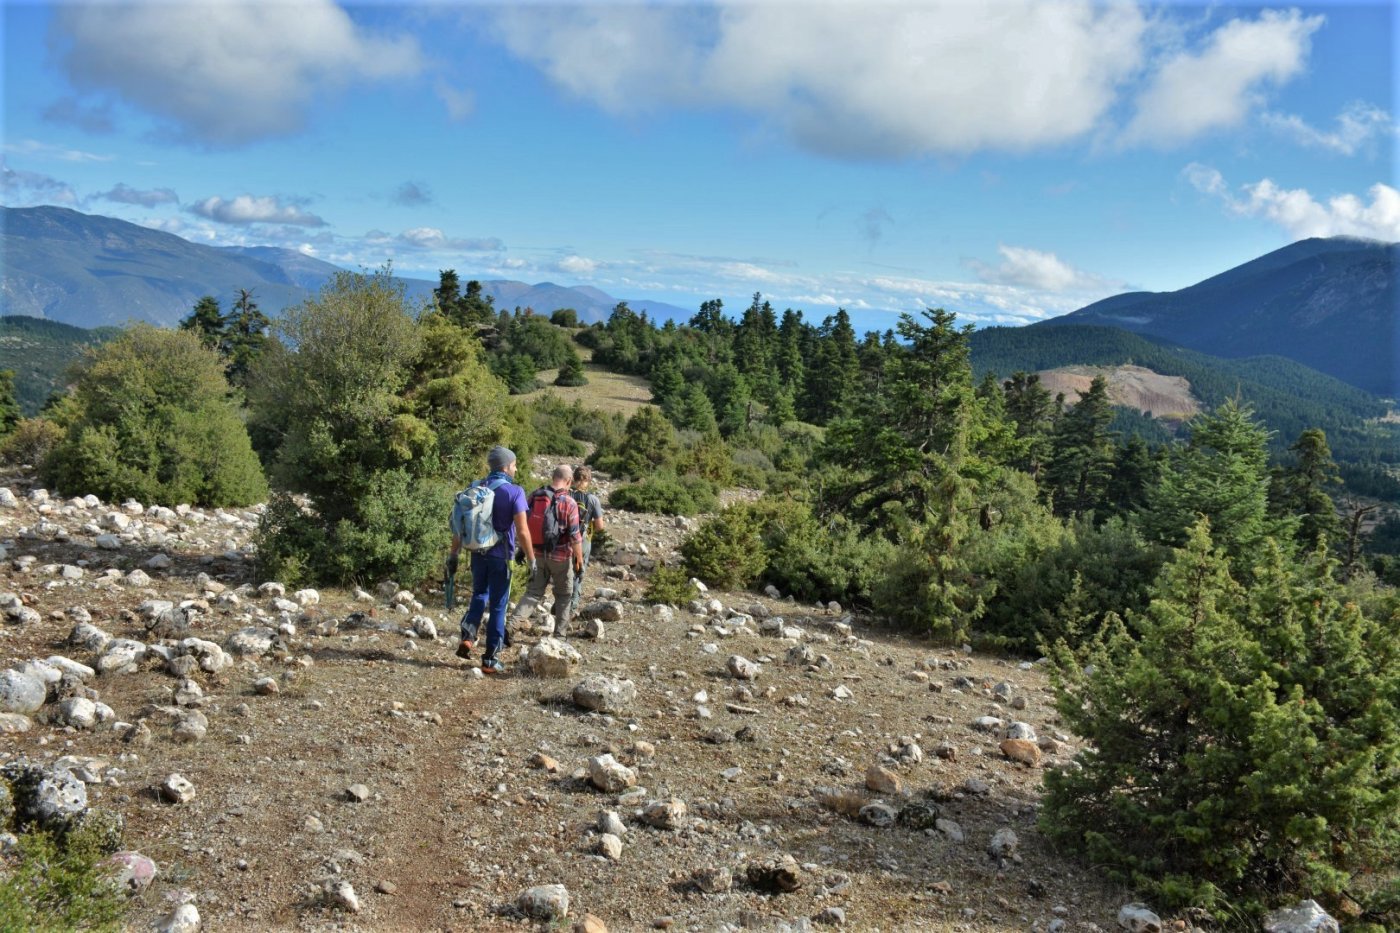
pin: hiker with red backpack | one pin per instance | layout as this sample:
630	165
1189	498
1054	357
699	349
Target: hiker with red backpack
554	530
486	518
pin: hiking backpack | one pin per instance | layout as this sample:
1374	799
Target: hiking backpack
547	526
471	515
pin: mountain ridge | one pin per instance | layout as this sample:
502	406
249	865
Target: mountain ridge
1327	303
89	270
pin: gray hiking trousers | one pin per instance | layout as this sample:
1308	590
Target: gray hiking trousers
547	572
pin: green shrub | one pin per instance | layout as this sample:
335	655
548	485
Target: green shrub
32	440
564	317
667	494
648	444
670	585
571	373
818	561
46	886
707	456
1244	748
1111	566
727	551
152	420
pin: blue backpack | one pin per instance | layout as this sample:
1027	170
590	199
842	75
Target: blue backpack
471	515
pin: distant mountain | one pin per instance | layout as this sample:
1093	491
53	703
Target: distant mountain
40	352
1288	396
1330	304
89	271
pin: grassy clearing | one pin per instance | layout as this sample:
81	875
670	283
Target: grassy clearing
609	392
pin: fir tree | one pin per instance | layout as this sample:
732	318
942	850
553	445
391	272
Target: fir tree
1082	453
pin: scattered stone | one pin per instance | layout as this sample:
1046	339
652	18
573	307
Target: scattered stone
1303	917
590	924
1136	918
883	781
253	641
15	723
548	902
952	830
133	872
842	692
544	762
357	793
266	686
774	874
1020	730
183	919
176	789
191	727
609	775
341	896
878	814
987	724
665	814
1022	750
919	816
608	846
20	692
606	610
831	916
741	668
610	822
1003	844
604	694
386	887
713	879
553	658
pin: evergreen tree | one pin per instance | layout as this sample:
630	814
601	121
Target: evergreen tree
571	373
150	418
1244	748
1221	474
1032	409
667	382
834	375
691	410
206	321
1082	453
448	294
245	337
1303	490
10	414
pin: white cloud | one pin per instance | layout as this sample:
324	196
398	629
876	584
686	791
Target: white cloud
577	265
460	102
32	147
1034	269
1357	125
125	194
1196	91
1301	214
249	209
884	80
223	73
431	238
19	188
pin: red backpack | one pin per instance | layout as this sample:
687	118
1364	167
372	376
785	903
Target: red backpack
546	518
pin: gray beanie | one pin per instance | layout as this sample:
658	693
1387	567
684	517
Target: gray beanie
500	457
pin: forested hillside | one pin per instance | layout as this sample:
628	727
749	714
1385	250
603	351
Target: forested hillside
39	353
1288	397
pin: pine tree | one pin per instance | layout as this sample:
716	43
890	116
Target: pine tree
1303	490
206	321
571	373
1031	407
10	414
1082	453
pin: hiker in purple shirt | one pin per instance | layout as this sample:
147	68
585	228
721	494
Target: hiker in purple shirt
491	567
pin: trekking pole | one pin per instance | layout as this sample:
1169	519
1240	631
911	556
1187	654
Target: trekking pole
449	588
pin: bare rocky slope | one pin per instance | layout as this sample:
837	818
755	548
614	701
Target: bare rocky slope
744	761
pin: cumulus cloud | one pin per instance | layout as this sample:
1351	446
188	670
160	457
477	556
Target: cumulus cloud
431	238
1033	268
577	265
413	194
249	209
19	188
1301	214
852	80
1217	86
223	73
125	194
1357	126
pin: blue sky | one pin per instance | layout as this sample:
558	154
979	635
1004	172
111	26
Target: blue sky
1007	159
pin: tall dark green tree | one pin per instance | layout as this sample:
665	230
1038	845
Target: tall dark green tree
10	413
1082	453
1304	488
245	336
206	321
1033	410
834	375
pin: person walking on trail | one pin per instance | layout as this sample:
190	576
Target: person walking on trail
554	530
590	512
488	518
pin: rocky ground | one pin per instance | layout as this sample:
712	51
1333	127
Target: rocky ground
293	760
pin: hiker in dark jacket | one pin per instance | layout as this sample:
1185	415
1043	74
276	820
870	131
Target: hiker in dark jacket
590	511
491	567
561	555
